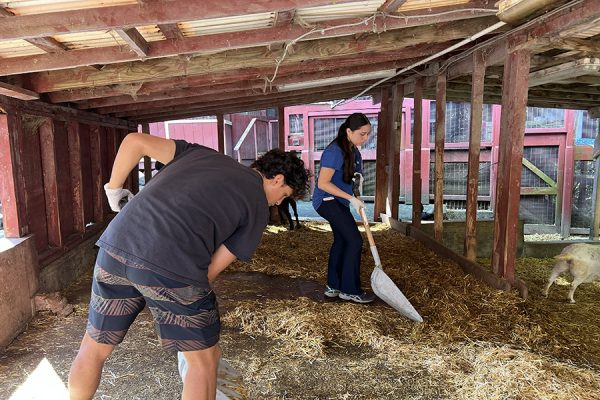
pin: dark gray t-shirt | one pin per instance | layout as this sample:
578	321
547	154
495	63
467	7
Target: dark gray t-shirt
197	202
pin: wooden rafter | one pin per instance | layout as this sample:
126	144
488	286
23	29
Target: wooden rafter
17	92
391	6
219	42
253	57
171	31
385	60
134	40
283	18
48	44
163	12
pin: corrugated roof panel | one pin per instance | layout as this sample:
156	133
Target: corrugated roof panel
18	48
28	7
226	24
346	10
412	5
151	33
86	40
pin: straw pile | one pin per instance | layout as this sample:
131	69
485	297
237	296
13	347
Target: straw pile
476	342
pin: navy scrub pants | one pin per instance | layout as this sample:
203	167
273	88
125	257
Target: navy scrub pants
344	257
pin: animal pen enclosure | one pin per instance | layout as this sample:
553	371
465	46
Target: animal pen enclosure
76	76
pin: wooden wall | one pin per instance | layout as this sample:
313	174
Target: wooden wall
54	172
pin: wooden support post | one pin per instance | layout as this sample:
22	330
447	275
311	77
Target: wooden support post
440	139
76	169
394	152
478	77
383	162
281	127
221	133
596	220
147	160
512	132
59	213
417	142
96	149
12	184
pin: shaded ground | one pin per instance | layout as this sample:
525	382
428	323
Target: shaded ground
288	342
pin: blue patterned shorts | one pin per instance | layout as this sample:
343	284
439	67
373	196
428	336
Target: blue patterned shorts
186	317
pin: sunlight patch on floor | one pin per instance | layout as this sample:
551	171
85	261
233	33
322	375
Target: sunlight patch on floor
43	383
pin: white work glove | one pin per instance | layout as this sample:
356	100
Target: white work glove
357	204
116	197
357	184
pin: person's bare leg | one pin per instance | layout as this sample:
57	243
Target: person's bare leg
84	376
200	381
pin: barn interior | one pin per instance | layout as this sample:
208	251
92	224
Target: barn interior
77	76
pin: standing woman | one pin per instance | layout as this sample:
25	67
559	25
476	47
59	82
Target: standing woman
331	199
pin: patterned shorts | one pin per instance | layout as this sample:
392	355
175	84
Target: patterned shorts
186	317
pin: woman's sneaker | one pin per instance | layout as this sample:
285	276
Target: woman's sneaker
358	298
329	292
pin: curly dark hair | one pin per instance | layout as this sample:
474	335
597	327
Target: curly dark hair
276	162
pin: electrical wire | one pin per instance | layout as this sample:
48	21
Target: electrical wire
365	21
468	52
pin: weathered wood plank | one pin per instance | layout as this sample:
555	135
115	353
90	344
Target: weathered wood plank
383	154
156	69
512	128
134	40
417	144
470	248
76	175
17	92
222	41
440	139
12	185
394	149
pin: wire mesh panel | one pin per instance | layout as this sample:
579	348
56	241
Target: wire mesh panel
326	129
544	118
455	178
458	120
538	209
544	158
586	128
583	189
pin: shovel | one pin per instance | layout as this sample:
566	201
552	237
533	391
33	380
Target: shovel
383	286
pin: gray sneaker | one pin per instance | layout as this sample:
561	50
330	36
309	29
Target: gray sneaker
358	298
329	292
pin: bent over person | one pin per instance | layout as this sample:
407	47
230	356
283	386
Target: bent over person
200	213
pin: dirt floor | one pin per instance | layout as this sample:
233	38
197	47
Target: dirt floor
288	342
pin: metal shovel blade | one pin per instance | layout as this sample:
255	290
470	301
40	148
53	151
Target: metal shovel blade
387	291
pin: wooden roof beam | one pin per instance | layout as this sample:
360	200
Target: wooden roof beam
254	57
17	92
171	31
391	6
144	13
284	18
240	105
198	101
48	44
134	40
285	77
387	60
219	42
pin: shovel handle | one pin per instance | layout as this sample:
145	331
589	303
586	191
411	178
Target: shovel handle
363	215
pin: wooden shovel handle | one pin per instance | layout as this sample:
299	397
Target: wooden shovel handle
367	228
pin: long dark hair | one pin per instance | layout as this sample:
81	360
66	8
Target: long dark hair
354	121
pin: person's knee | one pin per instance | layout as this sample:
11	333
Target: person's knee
207	358
92	351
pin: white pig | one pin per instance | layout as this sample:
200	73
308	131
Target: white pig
583	263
